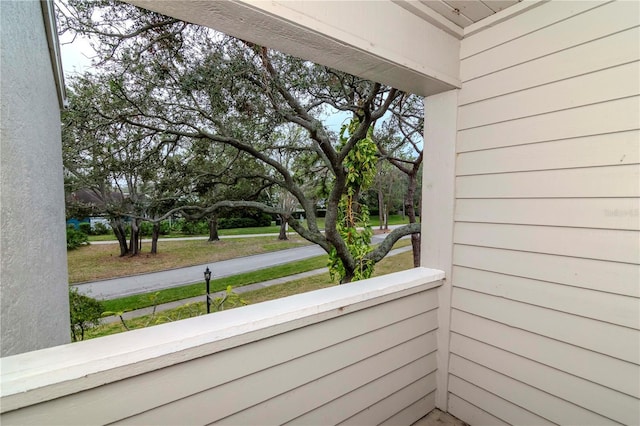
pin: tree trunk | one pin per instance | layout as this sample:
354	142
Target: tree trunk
283	228
411	212
213	228
380	207
118	230
134	244
154	238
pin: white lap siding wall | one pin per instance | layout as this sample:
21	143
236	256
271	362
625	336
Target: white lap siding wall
546	282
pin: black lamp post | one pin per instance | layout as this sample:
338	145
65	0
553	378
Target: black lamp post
207	278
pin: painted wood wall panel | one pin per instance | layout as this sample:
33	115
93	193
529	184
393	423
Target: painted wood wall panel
268	383
602	213
609	149
611	372
593	182
409	397
588	243
613	308
610	51
413	412
507	412
582	28
124	399
551	408
368	396
605	338
583	393
545	314
607	117
543	15
612	277
472	414
606	85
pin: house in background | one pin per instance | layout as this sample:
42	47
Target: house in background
527	307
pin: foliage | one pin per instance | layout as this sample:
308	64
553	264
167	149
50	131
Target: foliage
230	299
76	238
360	164
85	312
100	229
85	227
218	124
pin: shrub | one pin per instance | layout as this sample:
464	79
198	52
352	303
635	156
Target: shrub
195	228
165	227
146	229
75	238
85	227
100	229
84	311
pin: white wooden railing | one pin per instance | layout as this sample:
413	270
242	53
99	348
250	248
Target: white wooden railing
363	352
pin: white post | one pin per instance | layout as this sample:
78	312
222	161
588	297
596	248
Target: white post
438	199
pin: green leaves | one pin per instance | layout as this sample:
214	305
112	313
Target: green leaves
360	165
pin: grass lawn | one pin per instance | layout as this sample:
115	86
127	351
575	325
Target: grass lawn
390	264
96	262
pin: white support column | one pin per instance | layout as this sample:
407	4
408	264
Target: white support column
438	199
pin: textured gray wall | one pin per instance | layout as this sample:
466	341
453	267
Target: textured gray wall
34	301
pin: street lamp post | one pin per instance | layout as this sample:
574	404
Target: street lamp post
207	278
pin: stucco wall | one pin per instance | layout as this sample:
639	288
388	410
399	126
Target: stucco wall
33	278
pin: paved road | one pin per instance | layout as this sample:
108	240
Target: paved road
238	290
146	283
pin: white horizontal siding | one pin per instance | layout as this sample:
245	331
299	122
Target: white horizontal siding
521	25
606	85
607	307
610	181
582	28
334	360
611	149
545	321
604	213
610	277
602	118
588	243
613	50
562	356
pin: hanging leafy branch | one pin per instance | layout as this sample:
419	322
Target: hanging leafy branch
360	165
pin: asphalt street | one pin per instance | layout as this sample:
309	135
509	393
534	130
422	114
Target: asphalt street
146	283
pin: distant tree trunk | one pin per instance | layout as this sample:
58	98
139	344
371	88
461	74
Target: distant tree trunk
411	212
213	228
155	234
283	228
381	218
118	229
134	243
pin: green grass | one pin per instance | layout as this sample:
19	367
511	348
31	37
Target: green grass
140	301
169	295
388	265
102	261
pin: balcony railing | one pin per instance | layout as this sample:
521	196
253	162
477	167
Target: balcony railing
362	353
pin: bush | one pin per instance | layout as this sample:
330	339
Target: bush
146	229
195	228
75	238
84	311
244	222
165	227
100	229
85	227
